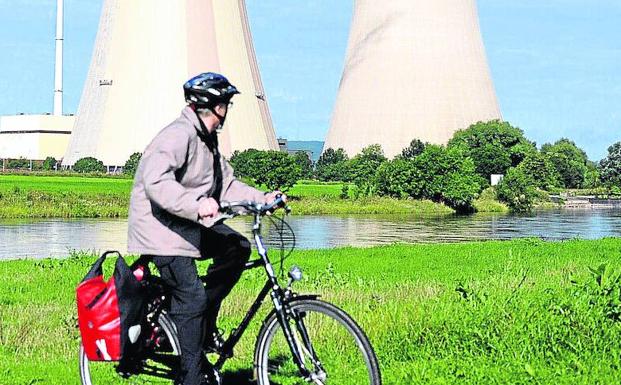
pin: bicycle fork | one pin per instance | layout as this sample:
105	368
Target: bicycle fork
299	349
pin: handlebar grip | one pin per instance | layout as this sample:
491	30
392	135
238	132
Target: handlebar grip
277	203
224	207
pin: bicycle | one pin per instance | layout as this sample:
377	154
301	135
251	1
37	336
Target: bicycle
302	340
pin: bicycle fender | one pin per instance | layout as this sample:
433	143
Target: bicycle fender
300	297
291	300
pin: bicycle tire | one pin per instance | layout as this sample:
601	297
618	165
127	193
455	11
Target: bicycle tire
104	373
341	330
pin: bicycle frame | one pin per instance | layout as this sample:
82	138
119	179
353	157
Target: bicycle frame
278	296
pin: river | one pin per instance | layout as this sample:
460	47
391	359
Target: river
57	237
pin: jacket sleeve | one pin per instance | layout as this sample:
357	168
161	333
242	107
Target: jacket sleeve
161	186
235	190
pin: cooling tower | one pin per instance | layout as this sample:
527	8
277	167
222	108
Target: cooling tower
144	51
413	69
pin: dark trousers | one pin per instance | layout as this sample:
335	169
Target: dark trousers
194	306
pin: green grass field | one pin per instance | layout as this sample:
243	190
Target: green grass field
63	197
90	197
518	312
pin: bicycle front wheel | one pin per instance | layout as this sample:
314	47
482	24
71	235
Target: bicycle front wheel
333	348
158	364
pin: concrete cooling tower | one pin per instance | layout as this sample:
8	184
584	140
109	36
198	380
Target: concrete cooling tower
144	51
414	69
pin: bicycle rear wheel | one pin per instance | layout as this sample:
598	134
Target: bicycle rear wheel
334	348
158	365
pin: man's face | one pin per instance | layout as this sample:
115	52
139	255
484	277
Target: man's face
221	109
212	122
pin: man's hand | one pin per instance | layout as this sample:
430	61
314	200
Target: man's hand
271	197
207	208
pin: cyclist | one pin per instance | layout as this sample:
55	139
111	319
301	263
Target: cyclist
174	220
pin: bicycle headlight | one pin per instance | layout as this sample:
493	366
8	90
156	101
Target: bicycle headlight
295	273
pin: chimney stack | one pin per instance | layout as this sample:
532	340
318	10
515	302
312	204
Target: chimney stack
58	76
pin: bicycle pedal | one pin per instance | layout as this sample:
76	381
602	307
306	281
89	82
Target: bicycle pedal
213	343
211	376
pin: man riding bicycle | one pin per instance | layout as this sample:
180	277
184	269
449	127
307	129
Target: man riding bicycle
173	219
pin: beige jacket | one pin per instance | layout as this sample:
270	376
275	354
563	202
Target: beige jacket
175	171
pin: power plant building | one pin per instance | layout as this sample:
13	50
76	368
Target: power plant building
414	69
34	137
144	51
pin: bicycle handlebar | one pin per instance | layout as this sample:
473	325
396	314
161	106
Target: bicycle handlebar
253	207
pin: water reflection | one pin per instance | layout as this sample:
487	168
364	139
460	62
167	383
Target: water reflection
55	238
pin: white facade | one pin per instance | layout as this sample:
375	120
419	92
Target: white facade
34	136
144	51
415	69
494	179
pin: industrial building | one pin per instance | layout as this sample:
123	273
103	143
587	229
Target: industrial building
34	137
414	69
37	136
144	51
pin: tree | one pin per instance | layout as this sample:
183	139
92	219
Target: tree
246	163
277	171
592	178
89	164
569	160
610	166
332	165
131	165
541	170
394	178
445	175
415	148
517	190
362	167
494	146
18	164
49	163
306	164
274	169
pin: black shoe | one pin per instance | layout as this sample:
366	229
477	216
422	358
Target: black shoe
213	342
211	376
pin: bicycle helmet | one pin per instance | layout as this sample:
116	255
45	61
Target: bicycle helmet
207	90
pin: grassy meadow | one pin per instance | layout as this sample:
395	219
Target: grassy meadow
24	196
515	312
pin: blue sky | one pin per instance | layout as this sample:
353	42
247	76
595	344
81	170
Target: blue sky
556	64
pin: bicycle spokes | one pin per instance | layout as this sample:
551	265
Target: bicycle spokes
305	346
328	351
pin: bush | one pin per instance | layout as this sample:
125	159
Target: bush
132	163
446	175
541	170
277	171
18	164
461	188
395	178
332	165
569	160
49	163
306	164
415	148
610	166
246	163
592	178
439	174
274	169
517	190
89	164
363	167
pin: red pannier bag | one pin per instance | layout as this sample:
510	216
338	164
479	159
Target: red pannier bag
110	312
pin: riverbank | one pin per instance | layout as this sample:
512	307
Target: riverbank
76	197
513	312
